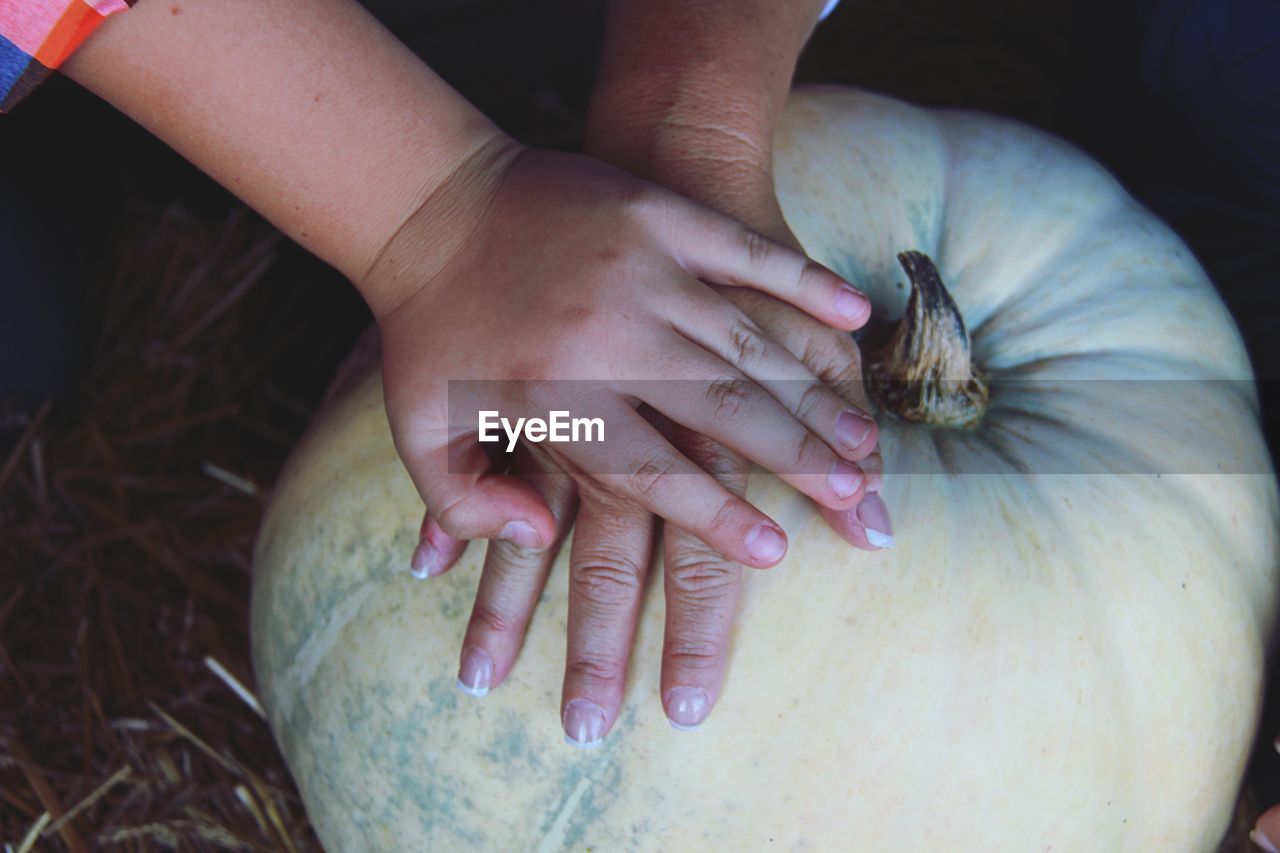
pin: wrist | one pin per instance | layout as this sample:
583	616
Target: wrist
644	118
312	112
688	79
708	140
438	226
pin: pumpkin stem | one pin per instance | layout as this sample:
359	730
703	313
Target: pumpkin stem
923	372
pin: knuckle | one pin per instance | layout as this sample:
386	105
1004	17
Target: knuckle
612	580
726	515
812	400
597	668
836	360
717	460
815	354
757	247
811	273
728	397
808	450
490	621
451	517
832	355
643	203
648	478
510	557
694	653
746	342
702	577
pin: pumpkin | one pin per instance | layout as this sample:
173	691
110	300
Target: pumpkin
1064	651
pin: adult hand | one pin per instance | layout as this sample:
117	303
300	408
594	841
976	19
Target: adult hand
704	128
709	163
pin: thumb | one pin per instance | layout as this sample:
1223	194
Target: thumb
470	501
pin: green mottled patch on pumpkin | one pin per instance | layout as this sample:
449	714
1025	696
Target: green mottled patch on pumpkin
595	803
442	696
590	785
328	587
454	599
298	730
424	785
512	744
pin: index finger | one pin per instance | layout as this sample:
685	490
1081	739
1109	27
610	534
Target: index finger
721	250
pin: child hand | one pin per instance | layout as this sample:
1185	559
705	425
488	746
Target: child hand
528	267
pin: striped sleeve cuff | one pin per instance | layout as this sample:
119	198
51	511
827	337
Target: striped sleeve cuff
36	36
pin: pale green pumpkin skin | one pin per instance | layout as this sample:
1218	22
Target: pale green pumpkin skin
1045	661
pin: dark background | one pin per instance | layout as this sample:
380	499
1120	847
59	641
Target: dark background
182	335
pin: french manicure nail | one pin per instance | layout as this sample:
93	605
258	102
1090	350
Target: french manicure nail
852	428
426	561
874	516
583	723
1258	837
687	707
520	533
844	479
851	304
476	673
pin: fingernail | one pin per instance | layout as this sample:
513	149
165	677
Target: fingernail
520	533
844	479
1259	838
852	428
426	561
687	707
766	544
476	673
583	724
874	516
851	304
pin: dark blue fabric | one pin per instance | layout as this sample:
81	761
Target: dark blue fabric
13	62
39	292
527	64
1216	65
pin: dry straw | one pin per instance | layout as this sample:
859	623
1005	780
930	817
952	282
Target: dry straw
127	517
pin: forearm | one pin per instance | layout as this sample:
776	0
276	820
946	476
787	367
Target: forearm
688	83
310	112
